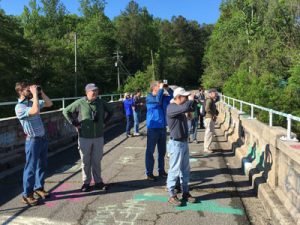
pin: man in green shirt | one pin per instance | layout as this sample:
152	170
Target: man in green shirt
210	118
89	116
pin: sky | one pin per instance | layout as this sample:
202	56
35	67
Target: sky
203	11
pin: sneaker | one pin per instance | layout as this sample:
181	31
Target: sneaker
151	177
100	186
42	193
174	201
85	188
195	141
128	135
136	134
30	200
163	175
189	198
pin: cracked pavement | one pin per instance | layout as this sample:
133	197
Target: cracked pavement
224	195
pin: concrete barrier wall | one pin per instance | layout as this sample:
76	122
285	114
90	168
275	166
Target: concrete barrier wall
272	165
60	134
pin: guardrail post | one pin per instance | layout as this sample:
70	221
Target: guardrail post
271	118
289	127
252	111
63	103
120	97
228	102
111	98
241	106
233	103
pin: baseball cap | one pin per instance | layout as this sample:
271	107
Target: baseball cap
91	87
180	91
212	90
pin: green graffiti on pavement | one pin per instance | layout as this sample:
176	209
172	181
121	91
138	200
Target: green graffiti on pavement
208	206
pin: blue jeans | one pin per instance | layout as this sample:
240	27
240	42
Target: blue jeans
36	150
179	166
128	124
156	136
193	129
137	118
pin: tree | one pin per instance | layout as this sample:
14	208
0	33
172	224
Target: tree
253	53
92	7
14	53
137	35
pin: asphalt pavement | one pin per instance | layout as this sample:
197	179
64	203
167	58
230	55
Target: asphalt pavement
224	195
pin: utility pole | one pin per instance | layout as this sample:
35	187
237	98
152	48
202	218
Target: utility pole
153	75
118	68
75	64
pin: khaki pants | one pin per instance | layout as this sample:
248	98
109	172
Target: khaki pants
91	153
209	132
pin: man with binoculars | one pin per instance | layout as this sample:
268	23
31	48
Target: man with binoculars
36	145
89	115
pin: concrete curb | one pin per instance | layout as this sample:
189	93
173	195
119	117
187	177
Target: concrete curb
273	206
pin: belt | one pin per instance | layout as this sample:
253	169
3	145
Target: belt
179	139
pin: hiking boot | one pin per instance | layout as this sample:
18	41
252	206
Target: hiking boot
151	177
187	197
100	186
174	201
163	175
136	134
42	193
30	200
85	188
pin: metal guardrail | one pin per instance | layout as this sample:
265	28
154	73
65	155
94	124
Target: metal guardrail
68	98
63	101
228	100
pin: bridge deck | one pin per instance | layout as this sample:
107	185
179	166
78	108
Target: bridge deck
224	195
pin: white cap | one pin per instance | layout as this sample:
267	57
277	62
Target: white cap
180	91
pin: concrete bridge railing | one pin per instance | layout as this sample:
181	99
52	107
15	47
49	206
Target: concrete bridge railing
60	133
272	164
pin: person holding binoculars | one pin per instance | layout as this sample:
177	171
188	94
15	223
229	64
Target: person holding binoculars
89	116
36	144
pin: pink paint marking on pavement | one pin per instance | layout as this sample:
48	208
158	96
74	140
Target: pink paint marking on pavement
295	146
56	195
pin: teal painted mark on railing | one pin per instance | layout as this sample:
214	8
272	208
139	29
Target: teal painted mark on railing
207	206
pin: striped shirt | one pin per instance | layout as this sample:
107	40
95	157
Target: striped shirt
32	125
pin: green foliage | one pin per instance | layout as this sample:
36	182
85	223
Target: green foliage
39	45
141	80
253	53
14	53
137	35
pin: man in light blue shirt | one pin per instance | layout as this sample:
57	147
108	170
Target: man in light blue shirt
36	145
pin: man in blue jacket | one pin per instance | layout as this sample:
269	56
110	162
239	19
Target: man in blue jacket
156	129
